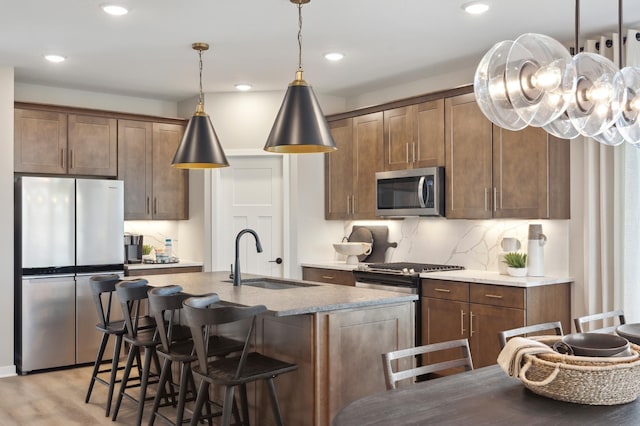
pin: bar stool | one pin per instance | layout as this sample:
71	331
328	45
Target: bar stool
106	284
165	304
233	371
140	334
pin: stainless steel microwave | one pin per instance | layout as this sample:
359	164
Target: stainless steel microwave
415	192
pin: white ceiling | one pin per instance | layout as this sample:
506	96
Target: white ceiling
147	53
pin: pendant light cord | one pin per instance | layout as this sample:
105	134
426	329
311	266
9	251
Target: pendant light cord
299	36
201	99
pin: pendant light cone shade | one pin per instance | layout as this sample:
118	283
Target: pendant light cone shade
300	126
199	148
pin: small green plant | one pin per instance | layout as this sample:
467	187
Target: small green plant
146	249
515	259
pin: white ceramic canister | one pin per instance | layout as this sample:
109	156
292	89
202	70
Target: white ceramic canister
535	251
508	244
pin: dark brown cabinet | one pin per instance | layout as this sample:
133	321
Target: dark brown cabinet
53	142
350	191
456	310
330	276
496	173
153	189
414	136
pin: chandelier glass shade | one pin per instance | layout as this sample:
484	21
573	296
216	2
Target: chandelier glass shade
534	81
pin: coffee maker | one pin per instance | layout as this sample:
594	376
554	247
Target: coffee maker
132	248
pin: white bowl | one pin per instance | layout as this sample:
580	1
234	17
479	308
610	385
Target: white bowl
352	250
517	272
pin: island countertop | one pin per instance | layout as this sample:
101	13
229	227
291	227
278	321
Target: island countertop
285	302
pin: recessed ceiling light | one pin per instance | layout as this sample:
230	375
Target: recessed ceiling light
115	10
475	8
334	56
243	87
55	58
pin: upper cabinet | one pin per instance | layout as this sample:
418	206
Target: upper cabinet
350	191
59	143
414	136
153	189
496	173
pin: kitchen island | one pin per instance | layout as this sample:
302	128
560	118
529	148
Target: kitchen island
335	334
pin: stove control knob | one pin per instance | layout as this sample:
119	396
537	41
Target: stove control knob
412	271
405	271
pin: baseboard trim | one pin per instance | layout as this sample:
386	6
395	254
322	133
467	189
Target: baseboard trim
7	371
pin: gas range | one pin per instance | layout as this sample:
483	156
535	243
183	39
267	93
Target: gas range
407	268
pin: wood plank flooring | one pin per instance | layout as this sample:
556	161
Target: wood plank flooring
57	399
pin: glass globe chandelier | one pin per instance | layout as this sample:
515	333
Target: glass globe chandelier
534	81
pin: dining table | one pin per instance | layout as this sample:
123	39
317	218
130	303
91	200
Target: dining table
485	396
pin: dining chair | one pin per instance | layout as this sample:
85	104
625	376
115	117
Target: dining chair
392	377
234	371
580	322
505	335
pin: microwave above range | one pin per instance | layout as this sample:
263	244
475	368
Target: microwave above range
415	192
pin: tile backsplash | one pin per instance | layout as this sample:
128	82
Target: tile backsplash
474	244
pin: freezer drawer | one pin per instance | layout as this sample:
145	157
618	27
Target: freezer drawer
87	337
48	323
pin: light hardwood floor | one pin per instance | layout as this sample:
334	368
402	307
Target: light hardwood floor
57	399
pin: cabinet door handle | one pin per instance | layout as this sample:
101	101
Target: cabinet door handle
70	159
413	149
462	330
495	199
155	205
328	277
353	204
406	152
470	323
443	290
62	158
486	197
493	296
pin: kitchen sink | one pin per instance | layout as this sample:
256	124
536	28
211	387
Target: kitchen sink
275	284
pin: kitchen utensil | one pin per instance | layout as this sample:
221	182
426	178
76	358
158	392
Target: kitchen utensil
361	235
535	251
594	344
352	250
380	243
631	332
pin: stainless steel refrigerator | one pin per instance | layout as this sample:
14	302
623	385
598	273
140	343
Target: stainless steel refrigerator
66	231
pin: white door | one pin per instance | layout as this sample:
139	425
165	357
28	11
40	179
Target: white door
250	196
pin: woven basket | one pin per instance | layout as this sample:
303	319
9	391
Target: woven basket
583	380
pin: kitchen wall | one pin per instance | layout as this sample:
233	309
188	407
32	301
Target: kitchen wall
7	367
474	244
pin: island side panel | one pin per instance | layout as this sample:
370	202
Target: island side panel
350	347
289	339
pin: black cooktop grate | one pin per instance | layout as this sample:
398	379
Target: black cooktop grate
418	267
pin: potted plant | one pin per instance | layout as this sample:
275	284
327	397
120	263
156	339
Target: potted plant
516	263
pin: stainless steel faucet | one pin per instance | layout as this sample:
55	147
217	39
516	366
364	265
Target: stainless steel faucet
236	273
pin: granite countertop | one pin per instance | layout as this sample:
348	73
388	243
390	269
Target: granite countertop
466	275
296	301
180	264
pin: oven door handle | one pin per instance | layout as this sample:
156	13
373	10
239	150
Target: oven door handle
398	289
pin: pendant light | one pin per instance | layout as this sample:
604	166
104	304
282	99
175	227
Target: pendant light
199	148
300	126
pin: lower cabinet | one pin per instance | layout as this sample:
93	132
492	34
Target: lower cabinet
456	310
330	276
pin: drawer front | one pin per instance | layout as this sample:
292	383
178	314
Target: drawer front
331	276
496	295
448	290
